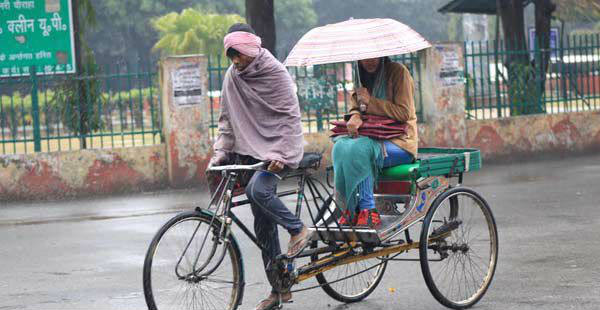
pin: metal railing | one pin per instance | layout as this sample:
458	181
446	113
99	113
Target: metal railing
323	90
109	107
569	83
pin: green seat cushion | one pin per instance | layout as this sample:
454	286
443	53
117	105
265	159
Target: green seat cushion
399	173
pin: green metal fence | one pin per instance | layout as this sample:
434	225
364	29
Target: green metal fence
111	106
323	90
570	83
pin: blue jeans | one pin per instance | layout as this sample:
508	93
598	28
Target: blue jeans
269	211
395	156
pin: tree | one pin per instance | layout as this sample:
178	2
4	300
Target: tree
261	16
293	18
578	9
124	32
526	81
422	16
192	32
78	96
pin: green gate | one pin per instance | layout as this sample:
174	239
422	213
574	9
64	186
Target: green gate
116	106
570	83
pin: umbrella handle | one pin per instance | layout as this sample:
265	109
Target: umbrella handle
361	107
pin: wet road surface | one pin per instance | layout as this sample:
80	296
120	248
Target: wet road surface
88	254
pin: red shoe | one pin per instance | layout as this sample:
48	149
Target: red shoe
346	216
369	218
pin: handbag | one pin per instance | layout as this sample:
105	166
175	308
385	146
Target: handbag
374	126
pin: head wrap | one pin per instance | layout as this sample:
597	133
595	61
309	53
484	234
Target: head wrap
244	42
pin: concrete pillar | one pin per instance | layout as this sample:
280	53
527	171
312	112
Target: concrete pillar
443	91
186	118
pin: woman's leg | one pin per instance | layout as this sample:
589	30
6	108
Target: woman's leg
366	200
395	156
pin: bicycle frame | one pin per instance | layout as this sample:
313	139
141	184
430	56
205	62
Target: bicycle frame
223	205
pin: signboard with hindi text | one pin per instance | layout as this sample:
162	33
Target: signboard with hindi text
36	33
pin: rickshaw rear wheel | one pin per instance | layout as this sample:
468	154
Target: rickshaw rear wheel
458	248
357	283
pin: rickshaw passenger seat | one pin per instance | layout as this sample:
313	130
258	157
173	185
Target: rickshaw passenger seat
310	160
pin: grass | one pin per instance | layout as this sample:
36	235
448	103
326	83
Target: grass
71	144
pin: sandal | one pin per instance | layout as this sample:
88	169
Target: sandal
298	242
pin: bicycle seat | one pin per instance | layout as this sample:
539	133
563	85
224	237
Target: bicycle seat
400	172
310	160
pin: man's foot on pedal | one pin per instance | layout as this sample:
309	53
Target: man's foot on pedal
369	218
298	242
273	301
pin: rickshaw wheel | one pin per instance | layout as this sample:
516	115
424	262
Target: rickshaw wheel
360	283
459	248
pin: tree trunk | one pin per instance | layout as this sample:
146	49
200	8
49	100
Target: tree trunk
260	14
513	26
543	15
82	109
522	94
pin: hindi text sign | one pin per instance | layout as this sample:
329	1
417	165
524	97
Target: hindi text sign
187	85
36	33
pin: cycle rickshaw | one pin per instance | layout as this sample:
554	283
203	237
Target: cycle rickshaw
194	260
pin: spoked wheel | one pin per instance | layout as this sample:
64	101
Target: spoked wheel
459	248
352	282
185	270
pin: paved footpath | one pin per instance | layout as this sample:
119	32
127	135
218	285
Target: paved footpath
88	254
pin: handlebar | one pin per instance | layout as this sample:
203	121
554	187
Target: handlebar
256	166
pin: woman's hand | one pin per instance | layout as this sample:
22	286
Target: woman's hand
363	96
353	124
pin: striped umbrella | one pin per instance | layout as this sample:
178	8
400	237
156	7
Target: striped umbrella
355	39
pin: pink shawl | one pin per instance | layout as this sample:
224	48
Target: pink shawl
260	114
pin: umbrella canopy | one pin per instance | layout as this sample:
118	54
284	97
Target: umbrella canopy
355	39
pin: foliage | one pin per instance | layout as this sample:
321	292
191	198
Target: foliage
80	100
192	32
422	16
293	18
125	33
16	109
524	96
576	10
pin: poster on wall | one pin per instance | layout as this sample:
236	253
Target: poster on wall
36	33
187	85
553	43
451	70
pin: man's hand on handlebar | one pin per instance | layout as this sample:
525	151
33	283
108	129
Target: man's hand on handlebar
218	159
275	166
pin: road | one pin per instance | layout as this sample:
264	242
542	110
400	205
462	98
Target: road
88	254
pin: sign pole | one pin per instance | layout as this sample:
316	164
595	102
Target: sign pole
35	110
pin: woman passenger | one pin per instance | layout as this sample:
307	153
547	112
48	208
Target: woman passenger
387	90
